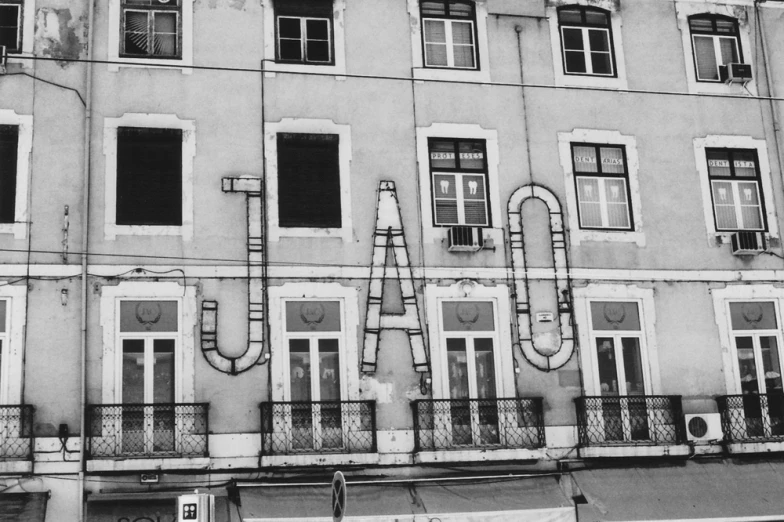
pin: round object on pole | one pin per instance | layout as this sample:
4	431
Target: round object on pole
338	496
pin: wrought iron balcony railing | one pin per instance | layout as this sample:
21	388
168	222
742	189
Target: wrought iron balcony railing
16	432
630	420
752	417
478	424
318	427
148	431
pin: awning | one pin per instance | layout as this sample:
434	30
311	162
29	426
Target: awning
528	499
113	507
723	490
23	507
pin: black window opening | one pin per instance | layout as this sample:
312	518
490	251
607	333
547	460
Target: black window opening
151	28
586	41
9	143
11	25
449	34
304	31
736	190
715	42
309	181
601	177
459	182
149	176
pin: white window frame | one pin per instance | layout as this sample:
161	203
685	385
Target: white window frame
12	367
184	356
602	137
338	33
304	40
158	121
23	168
587	50
459	195
730	8
430	232
308	126
701	161
184	63
587	80
481	48
738	206
27	25
449	42
716	52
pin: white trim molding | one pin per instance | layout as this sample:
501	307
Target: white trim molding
184	63
737	9
430	232
185	382
482	74
308	126
734	142
158	121
12	368
559	76
24	151
576	234
270	64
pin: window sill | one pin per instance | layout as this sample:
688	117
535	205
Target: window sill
438	234
631	450
320	459
272	67
151	63
19	230
344	233
479	455
456	75
610	236
735	448
602	82
735	89
112	231
148	464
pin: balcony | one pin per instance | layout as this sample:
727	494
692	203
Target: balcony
16	432
147	431
636	421
478	424
753	422
328	427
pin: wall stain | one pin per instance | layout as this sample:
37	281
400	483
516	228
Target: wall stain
55	35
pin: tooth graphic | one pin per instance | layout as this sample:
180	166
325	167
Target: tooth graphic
747	193
444	187
588	190
472	187
614	191
723	194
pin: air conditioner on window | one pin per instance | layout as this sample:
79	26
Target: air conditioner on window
703	427
749	243
3	58
465	239
735	72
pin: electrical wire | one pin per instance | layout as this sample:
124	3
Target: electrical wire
50	83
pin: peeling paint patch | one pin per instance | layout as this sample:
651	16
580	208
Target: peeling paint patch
382	392
55	35
237	4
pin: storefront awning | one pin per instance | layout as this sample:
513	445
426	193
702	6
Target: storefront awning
23	507
528	499
722	490
154	507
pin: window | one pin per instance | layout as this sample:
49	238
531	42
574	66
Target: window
309	180
602	186
11	23
149	176
151	28
304	31
449	34
736	189
715	42
586	41
459	182
9	144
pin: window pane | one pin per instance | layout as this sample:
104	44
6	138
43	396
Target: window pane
299	366
584	159
457	364
133	371
9	26
612	160
318	51
601	63
745	164
435	43
599	40
608	372
442	155
329	370
163	371
729	50
725	26
312	316
596	17
570	16
718	162
3	311
290	50
435	31
575	62
747	366
572	39
724	205
590	206
750	208
705	56
9	140
485	368
473	187
753	315
701	24
617	205
463	55
445	186
475	213
289	28
471	155
435	55
460	316
460	8
437	8
632	366
615	316
136	33
446	212
317	29
771	364
463	33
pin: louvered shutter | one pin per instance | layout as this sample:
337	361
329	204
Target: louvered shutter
309	181
9	141
319	8
149	176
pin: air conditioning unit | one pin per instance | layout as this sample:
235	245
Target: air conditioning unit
465	239
749	243
703	427
3	58
736	73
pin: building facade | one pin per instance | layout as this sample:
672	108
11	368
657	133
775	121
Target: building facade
493	259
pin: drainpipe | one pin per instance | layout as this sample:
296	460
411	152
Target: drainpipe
769	83
86	151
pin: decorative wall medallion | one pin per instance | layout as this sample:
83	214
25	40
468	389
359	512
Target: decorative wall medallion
752	313
615	314
312	314
148	313
467	314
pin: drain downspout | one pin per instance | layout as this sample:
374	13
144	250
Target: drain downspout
769	82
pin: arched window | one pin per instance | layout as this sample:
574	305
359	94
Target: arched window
715	42
586	41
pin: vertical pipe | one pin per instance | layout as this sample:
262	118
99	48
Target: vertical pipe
769	83
86	151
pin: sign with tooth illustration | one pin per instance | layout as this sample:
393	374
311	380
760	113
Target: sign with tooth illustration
444	186
472	187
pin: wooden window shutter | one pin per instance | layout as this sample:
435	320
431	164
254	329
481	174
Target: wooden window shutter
309	181
317	8
9	142
149	176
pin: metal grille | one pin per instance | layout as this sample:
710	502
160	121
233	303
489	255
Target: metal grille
752	417
625	420
148	430
318	427
16	432
478	423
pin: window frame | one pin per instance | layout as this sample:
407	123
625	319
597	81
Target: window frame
715	37
755	335
459	172
24	149
304	39
585	27
14	342
20	29
601	176
448	21
734	180
152	9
